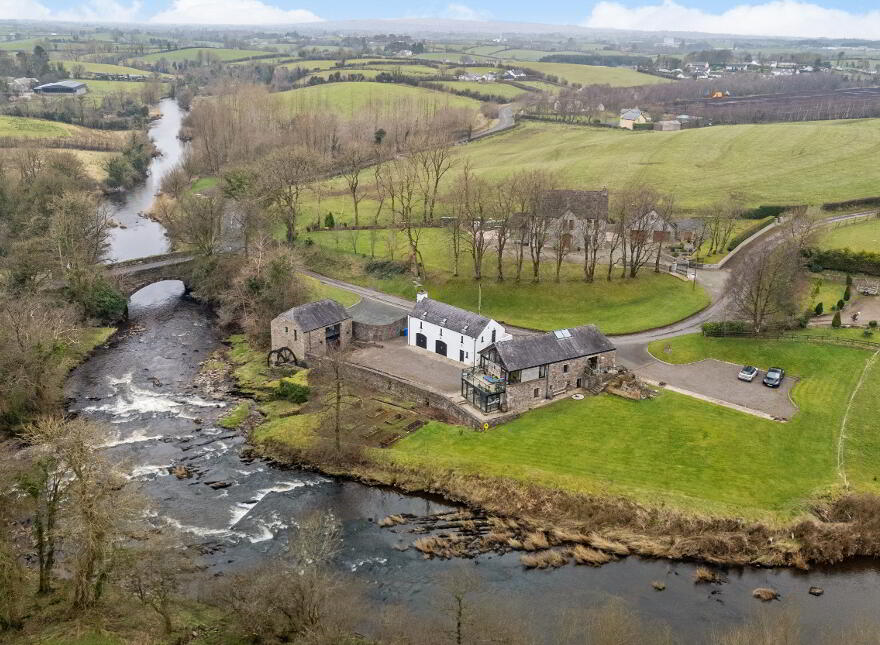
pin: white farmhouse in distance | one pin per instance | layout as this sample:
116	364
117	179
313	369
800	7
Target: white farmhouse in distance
449	331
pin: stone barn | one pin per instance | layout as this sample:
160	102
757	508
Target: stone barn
374	321
312	328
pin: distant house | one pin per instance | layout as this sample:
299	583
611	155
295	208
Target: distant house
514	74
456	333
668	126
312	329
632	117
62	87
517	373
653	228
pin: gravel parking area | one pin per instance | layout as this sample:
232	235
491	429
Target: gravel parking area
717	380
395	357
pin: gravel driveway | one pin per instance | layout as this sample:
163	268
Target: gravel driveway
717	380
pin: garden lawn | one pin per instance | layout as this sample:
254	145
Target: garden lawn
682	451
617	307
864	236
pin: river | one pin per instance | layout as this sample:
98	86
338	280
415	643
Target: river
143	387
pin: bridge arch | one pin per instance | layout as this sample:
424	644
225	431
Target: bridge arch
136	274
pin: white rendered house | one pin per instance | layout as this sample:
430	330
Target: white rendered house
449	331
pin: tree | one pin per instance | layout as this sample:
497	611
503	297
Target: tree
196	223
285	175
240	188
337	393
503	196
835	322
763	287
473	201
402	186
433	157
593	240
847	294
352	162
820	308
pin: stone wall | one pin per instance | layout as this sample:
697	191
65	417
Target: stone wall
558	381
285	333
375	333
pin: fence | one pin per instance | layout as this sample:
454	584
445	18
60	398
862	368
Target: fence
828	339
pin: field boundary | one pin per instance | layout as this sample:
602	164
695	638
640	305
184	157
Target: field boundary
840	440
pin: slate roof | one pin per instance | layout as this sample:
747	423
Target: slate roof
631	115
584	204
523	352
315	315
458	320
73	85
372	312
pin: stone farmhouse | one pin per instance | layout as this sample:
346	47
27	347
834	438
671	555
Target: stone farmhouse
517	373
570	213
449	331
312	329
632	117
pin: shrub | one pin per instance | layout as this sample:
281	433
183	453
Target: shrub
836	322
765	211
848	280
868	333
873	324
840	305
820	308
865	201
847	294
844	260
293	392
747	233
815	267
329	222
724	328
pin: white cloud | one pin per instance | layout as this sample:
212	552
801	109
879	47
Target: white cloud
91	11
457	11
230	12
777	18
23	10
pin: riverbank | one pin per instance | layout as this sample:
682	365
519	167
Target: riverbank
474	469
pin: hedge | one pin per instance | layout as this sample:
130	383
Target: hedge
865	201
725	328
747	233
766	211
844	260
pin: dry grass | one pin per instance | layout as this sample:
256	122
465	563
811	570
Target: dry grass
543	560
706	575
441	547
658	586
611	546
536	541
565	536
765	594
593	557
392	520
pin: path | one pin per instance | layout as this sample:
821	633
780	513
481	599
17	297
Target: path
506	121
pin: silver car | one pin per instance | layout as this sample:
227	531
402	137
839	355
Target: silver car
748	373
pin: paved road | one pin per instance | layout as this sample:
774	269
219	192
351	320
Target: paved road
506	121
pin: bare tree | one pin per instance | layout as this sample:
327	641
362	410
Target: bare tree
352	163
285	175
337	393
593	233
402	188
433	157
473	201
503	200
763	288
197	223
800	224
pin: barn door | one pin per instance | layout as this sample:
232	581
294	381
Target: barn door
440	348
422	341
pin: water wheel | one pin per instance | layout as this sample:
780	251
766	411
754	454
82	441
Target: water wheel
280	356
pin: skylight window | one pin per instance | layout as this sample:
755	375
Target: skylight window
562	333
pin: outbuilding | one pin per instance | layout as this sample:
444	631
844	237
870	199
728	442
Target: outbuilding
456	333
312	329
668	126
62	87
374	321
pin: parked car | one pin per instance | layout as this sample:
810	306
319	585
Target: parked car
774	377
748	373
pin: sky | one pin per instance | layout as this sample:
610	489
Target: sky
802	18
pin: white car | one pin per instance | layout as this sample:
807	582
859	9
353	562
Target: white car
748	373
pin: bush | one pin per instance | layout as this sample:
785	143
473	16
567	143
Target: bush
99	299
385	268
873	324
765	211
329	222
836	322
293	392
844	260
847	294
865	201
724	328
747	233
848	280
820	308
840	305
868	333
815	267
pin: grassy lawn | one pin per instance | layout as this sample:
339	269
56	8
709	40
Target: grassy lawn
863	236
717	256
349	99
20	126
100	89
320	291
617	307
495	89
825	288
682	451
101	68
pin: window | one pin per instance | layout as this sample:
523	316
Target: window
542	371
294	334
537	392
462	340
493	335
420	324
565	369
285	330
481	339
578	383
441	331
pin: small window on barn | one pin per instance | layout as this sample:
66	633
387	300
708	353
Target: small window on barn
441	331
542	371
565	369
537	392
294	334
493	335
462	340
420	324
285	330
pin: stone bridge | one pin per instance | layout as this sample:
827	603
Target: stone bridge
137	274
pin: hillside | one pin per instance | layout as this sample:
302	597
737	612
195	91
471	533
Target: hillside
193	53
348	98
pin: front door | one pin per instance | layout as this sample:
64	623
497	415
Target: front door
461	356
440	348
422	341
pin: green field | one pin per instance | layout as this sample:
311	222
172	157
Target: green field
864	236
596	75
313	64
350	98
19	126
617	307
529	54
26	44
807	162
192	54
681	451
100	89
345	72
492	89
101	68
541	86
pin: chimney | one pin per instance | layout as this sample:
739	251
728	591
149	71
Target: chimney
421	295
